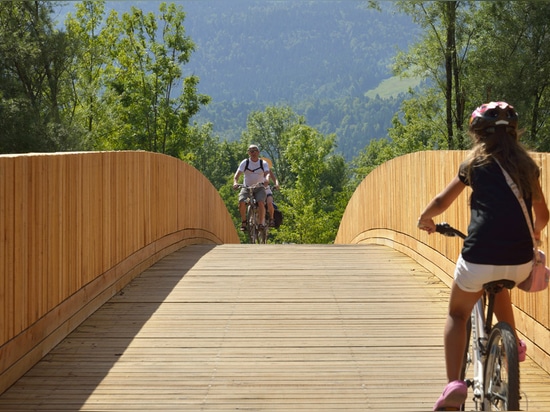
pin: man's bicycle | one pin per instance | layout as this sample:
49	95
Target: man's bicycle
256	233
491	350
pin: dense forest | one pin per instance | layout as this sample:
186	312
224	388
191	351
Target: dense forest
291	51
91	77
322	58
319	57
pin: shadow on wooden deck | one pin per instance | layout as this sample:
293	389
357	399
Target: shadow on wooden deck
267	327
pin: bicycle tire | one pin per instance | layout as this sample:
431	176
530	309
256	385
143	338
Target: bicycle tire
262	235
501	374
252	228
252	233
259	232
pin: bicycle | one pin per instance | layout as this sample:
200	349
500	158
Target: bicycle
256	234
492	350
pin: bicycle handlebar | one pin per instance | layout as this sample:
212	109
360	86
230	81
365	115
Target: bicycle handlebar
447	230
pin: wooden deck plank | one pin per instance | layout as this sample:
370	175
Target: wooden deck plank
318	328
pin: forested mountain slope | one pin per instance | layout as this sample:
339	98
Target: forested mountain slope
320	57
286	50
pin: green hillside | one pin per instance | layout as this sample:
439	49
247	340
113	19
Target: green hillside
393	87
329	60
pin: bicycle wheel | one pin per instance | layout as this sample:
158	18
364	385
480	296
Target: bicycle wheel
252	228
501	383
262	235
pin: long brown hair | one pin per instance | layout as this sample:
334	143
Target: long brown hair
504	146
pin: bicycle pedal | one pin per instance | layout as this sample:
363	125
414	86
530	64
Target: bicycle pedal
469	383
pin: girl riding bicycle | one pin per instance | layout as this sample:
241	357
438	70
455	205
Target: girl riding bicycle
499	244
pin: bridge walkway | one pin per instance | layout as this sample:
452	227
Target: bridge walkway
260	328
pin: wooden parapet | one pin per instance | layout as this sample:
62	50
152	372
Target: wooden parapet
385	208
77	227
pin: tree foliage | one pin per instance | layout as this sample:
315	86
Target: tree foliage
34	58
104	83
440	56
143	91
470	53
312	205
119	82
511	61
314	180
269	129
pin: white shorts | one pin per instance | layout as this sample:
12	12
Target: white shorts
470	277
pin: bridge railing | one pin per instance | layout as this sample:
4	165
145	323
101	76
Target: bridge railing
77	227
384	210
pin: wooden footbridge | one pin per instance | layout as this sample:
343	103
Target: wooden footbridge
193	321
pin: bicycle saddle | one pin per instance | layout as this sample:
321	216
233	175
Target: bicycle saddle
497	285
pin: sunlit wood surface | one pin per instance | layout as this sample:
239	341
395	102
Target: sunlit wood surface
260	328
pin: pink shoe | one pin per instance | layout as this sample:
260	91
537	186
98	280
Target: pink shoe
453	396
522	350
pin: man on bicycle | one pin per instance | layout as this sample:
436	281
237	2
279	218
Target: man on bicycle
255	171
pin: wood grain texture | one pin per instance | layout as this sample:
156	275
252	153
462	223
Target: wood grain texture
259	328
384	210
76	227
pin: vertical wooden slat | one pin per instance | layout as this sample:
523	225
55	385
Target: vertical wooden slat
385	207
5	289
53	279
146	186
20	264
7	253
91	218
107	207
37	218
75	227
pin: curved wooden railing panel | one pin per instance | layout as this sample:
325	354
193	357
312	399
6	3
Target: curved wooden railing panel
384	210
77	227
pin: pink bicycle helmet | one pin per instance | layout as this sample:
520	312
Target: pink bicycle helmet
489	115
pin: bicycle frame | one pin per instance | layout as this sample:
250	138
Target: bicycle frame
255	234
491	350
479	339
252	218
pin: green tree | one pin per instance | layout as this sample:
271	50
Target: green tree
500	52
315	181
92	60
34	58
510	60
142	86
314	205
269	130
419	126
447	37
373	155
216	159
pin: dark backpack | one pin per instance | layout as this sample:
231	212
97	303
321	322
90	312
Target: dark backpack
277	216
261	166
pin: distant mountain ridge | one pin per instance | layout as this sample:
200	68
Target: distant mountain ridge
320	57
288	50
323	58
